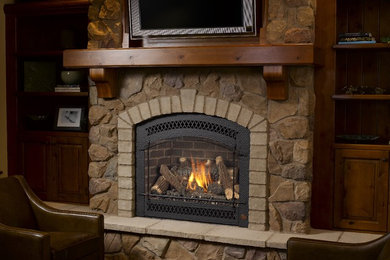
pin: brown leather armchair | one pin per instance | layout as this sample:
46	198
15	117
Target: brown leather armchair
308	249
29	229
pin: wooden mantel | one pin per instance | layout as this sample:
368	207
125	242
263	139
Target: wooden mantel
103	62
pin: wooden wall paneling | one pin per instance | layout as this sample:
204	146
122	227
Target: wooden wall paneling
341	78
384	69
371	17
384	18
340	117
355	15
353	117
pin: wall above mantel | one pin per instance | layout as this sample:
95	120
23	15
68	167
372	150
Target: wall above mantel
103	63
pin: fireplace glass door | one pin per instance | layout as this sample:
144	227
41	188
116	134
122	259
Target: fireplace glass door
192	167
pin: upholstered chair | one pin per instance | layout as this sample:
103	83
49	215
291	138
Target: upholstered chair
308	249
29	229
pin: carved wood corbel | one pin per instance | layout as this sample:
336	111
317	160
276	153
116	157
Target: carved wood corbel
105	79
277	82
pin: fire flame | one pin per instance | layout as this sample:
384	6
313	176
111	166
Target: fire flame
200	175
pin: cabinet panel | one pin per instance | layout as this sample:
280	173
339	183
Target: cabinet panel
35	166
361	189
71	157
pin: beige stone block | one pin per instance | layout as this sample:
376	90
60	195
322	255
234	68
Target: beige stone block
302	151
210	106
261	127
126	158
126	213
258	227
126	171
259	138
284	192
125	134
176	104
122	124
222	108
258	165
127	205
188	99
126	183
257	203
244	117
135	115
154	106
256	177
258	152
126	194
255	120
257	216
302	191
125	146
233	112
256	190
165	103
125	120
199	104
145	111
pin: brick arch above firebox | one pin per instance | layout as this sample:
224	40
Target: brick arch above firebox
189	102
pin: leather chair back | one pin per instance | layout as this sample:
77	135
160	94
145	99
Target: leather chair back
15	208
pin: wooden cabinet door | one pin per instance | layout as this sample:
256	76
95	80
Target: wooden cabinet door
361	189
34	164
70	180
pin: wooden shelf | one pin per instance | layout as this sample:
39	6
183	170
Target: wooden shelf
235	55
52	94
361	97
274	58
362	46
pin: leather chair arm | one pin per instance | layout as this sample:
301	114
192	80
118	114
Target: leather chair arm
19	243
50	219
308	249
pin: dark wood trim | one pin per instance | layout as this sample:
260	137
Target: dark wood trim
324	82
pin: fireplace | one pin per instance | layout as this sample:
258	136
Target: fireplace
193	167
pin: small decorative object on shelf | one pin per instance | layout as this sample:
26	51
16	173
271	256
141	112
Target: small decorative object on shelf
67	88
356	38
385	39
363	90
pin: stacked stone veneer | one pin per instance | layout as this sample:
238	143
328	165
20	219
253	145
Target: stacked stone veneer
280	187
122	246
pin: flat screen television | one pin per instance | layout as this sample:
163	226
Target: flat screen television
191	18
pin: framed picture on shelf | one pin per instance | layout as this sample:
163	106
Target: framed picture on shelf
70	119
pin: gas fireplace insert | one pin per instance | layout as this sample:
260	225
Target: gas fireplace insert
193	167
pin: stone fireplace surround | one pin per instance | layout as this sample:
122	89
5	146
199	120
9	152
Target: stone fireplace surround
189	102
281	162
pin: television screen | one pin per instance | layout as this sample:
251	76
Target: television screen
152	18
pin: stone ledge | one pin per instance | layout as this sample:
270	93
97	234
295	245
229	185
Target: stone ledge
215	233
224	234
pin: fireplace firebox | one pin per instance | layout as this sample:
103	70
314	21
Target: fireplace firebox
193	167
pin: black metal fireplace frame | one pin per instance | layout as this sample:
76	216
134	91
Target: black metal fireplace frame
220	130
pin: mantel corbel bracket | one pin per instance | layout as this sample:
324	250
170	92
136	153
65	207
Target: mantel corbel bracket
277	82
105	80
